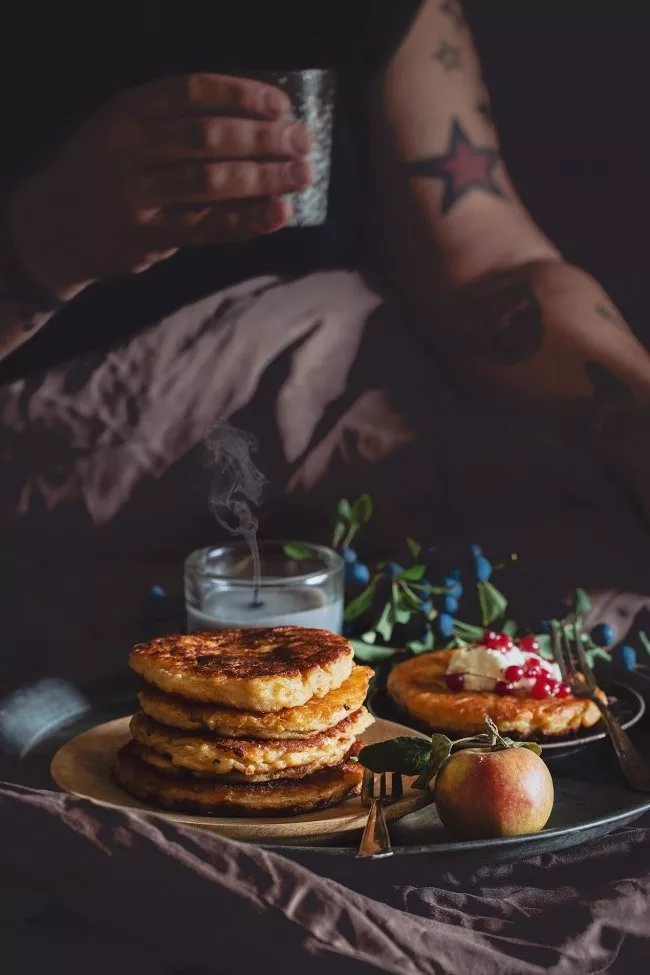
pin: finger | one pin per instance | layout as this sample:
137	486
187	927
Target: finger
176	227
213	182
225	138
205	94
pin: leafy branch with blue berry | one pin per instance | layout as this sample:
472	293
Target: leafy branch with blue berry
391	608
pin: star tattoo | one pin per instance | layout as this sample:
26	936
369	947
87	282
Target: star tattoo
448	55
463	168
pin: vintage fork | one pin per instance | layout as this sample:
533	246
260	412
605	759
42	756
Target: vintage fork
572	660
375	841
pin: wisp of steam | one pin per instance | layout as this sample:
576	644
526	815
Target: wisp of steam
236	485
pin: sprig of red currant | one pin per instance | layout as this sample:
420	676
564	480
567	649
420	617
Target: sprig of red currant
544	686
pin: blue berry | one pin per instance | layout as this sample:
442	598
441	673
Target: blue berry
483	569
394	569
450	605
357	573
544	627
349	555
476	551
426	606
603	635
445	624
628	657
453	586
157	592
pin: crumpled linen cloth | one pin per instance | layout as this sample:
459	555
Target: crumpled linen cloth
90	889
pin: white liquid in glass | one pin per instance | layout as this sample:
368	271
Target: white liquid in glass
299	606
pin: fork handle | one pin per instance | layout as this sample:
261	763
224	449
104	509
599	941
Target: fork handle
375	841
636	769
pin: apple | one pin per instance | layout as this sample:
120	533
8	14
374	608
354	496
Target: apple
484	792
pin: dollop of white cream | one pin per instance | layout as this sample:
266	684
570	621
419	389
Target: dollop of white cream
483	667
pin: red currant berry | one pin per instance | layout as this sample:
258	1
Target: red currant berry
563	691
489	639
554	686
455	682
541	689
529	644
503	687
504	643
532	668
513	674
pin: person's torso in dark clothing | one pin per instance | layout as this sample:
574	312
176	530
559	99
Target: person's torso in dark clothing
72	56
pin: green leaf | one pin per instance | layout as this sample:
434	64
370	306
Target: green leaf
532	746
422	646
296	550
403	616
581	602
439	752
369	654
645	642
340	529
467	632
408	598
597	654
361	604
369	637
545	645
362	510
344	510
414	547
492	602
414	574
510	627
386	622
405	754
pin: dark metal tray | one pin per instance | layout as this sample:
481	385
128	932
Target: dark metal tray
592	798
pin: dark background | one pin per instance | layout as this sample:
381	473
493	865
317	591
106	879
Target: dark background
569	84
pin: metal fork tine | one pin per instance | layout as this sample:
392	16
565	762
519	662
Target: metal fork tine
367	786
568	653
383	786
582	657
557	652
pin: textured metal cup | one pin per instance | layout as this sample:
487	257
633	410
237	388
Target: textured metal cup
312	93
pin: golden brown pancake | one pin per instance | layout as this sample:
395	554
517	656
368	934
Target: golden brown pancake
223	756
165	764
254	670
189	793
418	687
316	715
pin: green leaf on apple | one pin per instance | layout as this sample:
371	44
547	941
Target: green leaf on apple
408	755
532	746
439	752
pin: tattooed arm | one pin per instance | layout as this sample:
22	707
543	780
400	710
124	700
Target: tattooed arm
522	323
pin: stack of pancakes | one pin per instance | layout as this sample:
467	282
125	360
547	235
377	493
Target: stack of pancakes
247	722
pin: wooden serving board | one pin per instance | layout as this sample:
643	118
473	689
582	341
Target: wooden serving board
83	766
